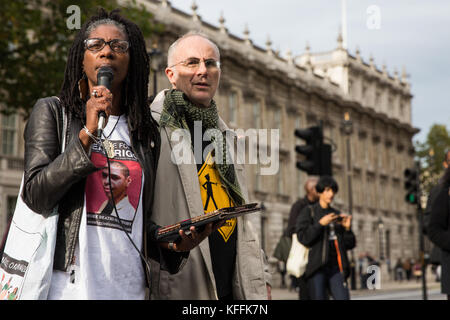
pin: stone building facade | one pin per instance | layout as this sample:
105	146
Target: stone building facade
11	165
261	89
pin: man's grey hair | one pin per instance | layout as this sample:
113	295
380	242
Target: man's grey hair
185	36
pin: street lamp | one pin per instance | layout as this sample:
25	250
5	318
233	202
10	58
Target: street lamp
155	56
347	127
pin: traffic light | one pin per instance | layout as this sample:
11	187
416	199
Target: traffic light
311	151
317	154
325	160
411	185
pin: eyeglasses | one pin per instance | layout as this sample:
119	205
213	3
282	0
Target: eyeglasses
194	64
97	44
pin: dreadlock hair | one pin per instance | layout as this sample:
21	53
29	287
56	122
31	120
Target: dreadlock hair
135	85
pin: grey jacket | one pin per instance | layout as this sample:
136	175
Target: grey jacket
177	197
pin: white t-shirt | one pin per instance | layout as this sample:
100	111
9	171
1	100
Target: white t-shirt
106	265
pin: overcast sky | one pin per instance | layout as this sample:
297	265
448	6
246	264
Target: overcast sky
412	33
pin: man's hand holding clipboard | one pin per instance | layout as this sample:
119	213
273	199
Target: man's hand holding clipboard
171	233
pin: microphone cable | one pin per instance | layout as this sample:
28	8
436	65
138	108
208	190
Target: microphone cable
120	220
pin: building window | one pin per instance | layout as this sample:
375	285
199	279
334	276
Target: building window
391	104
258	177
257	115
10	206
233	108
298	122
280	189
353	151
402	110
378	100
8	134
277	124
361	228
277	119
365	147
388	244
390	156
380	155
363	93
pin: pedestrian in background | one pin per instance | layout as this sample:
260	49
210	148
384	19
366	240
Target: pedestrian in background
328	234
435	256
363	264
407	268
439	227
398	270
281	253
417	270
310	198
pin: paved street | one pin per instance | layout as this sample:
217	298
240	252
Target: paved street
434	294
389	290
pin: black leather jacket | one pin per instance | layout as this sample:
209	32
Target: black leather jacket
53	178
313	235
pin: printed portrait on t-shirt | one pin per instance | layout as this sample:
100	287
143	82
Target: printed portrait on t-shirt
113	191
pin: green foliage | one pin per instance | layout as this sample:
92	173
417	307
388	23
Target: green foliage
431	155
34	42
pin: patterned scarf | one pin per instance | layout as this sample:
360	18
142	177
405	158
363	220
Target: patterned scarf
178	111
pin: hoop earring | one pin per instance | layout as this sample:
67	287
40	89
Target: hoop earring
83	87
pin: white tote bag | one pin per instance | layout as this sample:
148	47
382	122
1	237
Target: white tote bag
27	262
298	258
298	255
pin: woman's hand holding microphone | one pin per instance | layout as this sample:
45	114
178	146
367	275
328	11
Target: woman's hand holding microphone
100	100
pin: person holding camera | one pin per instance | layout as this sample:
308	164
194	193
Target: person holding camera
328	235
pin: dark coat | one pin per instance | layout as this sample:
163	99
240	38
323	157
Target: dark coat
283	248
296	208
435	256
315	236
439	231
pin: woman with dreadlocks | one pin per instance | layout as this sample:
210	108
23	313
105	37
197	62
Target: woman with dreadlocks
99	254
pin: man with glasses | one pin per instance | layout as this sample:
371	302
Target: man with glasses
231	265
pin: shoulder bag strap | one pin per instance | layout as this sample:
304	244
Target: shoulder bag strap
63	114
312	210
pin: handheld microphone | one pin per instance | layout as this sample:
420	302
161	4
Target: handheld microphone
104	78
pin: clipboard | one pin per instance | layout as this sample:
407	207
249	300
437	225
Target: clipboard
170	232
